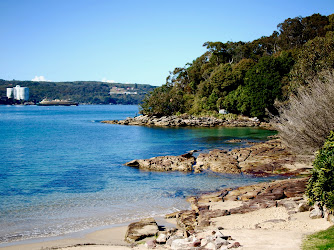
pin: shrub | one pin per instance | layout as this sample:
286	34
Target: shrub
320	187
306	121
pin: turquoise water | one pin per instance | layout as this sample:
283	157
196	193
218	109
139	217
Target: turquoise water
62	170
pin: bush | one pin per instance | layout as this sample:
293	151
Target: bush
320	187
306	121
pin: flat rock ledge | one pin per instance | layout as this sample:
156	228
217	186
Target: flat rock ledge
261	159
188	121
286	193
200	227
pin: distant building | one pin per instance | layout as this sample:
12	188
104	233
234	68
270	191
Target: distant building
223	111
122	91
18	93
10	93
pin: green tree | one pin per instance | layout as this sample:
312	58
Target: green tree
263	84
315	56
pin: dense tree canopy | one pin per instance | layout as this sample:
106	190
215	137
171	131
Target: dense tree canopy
82	92
248	77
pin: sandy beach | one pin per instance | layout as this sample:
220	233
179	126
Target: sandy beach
269	228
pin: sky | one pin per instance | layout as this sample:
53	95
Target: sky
129	41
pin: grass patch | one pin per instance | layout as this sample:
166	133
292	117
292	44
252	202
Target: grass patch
321	240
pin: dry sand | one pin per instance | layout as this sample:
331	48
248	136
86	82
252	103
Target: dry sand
271	228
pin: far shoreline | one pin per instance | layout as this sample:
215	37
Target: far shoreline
192	121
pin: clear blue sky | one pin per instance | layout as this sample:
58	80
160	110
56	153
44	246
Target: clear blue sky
127	40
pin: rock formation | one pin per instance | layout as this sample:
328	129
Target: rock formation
142	229
182	163
197	228
261	159
188	120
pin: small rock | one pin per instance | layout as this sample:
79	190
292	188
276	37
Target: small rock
221	242
162	238
196	243
330	218
204	242
303	207
210	246
316	213
179	244
218	234
172	215
234	245
142	229
150	244
172	238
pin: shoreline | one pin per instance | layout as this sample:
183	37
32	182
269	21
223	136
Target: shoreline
109	235
242	213
262	228
190	121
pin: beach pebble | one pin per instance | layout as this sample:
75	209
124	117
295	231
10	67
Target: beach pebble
162	238
303	207
211	246
204	242
234	245
180	244
221	242
150	244
316	213
172	238
218	234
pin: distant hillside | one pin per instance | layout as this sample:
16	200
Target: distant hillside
88	92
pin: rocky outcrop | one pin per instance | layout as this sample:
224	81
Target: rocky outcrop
220	161
178	239
284	193
261	159
199	228
188	120
142	229
182	163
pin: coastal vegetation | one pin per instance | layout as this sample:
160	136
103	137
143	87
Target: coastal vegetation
88	92
248	77
320	240
320	187
307	118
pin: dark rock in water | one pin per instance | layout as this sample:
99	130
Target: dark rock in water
182	163
262	159
141	230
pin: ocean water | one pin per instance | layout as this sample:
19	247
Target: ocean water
62	170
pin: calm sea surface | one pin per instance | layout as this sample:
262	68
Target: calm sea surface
62	170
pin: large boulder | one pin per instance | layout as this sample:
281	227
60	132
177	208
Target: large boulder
182	163
141	230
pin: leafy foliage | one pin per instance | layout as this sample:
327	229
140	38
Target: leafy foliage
320	187
248	77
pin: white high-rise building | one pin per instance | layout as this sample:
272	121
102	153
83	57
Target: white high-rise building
18	93
10	93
